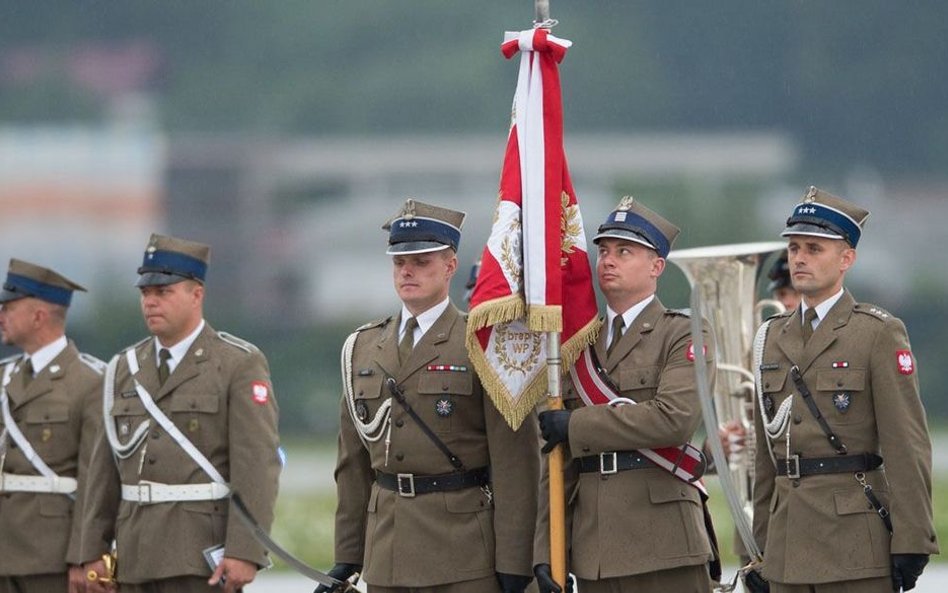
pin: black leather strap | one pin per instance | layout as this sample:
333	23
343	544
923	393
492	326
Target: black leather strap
815	410
613	461
410	485
399	396
796	466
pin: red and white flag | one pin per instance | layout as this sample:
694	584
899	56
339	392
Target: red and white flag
535	259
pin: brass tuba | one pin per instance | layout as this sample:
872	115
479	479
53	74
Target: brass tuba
726	278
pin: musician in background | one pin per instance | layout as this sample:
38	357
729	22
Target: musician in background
837	392
635	526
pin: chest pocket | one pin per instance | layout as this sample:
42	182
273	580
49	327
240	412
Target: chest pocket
841	395
443	396
640	382
44	426
127	414
194	415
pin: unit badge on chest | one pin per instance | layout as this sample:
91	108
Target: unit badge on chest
842	400
362	411
444	407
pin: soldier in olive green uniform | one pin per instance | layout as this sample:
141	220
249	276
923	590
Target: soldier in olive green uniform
634	526
828	516
51	413
189	417
445	502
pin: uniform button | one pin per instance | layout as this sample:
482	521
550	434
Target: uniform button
46	417
399	423
125	409
444	388
797	419
151	461
642	381
766	384
155	434
796	483
193	405
361	392
399	457
839	383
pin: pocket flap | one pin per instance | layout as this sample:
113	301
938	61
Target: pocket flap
853	501
841	379
446	382
52	414
203	404
671	490
128	406
368	387
773	381
638	378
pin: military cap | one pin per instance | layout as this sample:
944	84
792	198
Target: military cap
632	221
779	273
169	260
420	228
821	214
30	280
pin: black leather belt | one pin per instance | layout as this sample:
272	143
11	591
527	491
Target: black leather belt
796	466
409	485
612	462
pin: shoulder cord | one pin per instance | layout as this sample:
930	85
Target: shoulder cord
369	432
781	420
122	451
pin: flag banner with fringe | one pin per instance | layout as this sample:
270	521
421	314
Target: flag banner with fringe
535	275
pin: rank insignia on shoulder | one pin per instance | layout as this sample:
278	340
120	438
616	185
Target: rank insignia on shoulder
451	368
770	366
260	392
362	411
842	400
444	407
841	364
905	361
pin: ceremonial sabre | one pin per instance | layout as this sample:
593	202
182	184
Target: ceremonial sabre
296	564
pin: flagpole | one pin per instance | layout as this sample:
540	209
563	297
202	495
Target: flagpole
555	402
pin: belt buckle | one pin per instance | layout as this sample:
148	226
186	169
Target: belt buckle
793	461
603	465
408	492
144	493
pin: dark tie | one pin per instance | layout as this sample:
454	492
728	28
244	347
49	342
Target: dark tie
808	318
27	371
618	322
408	340
163	369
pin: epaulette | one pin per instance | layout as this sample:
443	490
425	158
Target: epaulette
787	313
874	311
236	342
376	323
679	312
92	362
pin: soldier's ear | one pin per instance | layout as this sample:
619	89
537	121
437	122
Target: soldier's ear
847	258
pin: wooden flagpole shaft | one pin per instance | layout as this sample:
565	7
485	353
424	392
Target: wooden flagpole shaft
555	462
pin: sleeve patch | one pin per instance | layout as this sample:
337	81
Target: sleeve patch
691	351
260	391
904	360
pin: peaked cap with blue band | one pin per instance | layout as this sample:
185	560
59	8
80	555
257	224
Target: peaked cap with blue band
821	214
420	228
631	221
169	260
30	280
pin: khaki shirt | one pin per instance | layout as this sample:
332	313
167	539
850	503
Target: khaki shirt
59	413
643	520
216	397
438	537
821	528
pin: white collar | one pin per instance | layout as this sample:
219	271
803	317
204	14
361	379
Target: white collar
628	318
425	320
47	353
823	309
178	350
